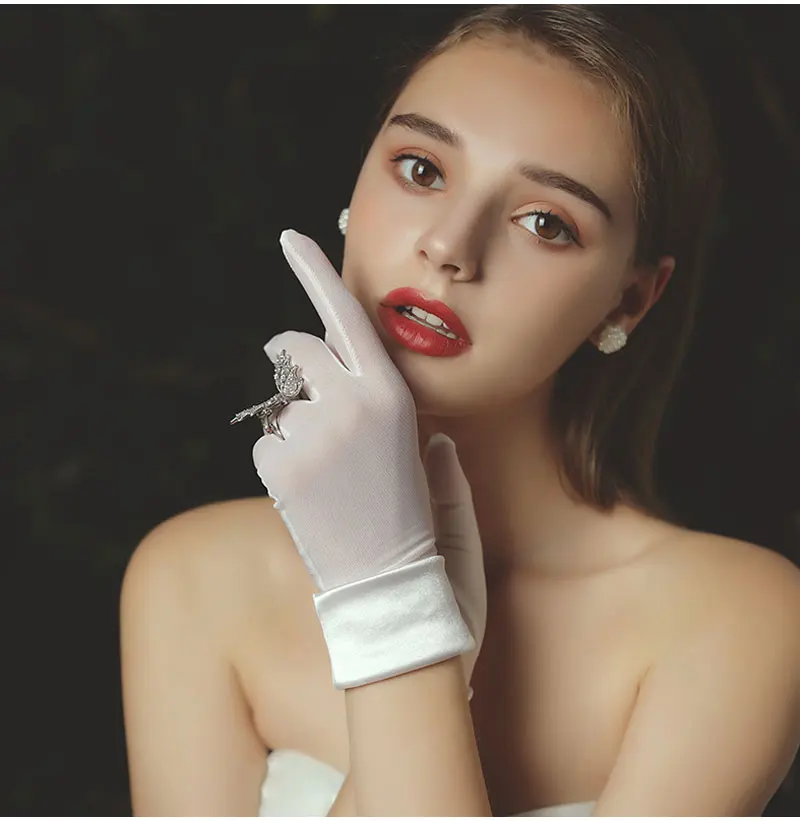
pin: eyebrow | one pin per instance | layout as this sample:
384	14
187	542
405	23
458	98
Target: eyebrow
536	173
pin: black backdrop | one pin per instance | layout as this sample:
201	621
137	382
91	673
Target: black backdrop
149	158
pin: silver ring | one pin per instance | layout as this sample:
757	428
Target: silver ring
289	384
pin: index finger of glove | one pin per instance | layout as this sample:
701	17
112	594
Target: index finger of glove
349	330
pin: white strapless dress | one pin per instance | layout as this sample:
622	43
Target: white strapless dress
297	784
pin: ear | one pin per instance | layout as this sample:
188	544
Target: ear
643	290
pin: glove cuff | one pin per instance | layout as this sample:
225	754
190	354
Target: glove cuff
386	625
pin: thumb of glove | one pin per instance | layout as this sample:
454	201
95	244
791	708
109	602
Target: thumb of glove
457	537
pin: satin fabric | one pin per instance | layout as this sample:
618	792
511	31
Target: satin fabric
393	623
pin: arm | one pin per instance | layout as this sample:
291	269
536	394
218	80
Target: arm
717	722
412	746
349	483
192	749
376	733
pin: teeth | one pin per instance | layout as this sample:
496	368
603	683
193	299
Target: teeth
428	320
431	319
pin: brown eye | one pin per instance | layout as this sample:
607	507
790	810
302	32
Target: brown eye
423	173
547	227
418	172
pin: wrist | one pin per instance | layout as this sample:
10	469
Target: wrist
392	623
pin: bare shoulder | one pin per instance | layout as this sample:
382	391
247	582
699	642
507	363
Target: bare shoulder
700	579
233	571
735	565
200	533
229	561
202	590
722	682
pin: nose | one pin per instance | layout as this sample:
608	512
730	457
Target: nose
452	244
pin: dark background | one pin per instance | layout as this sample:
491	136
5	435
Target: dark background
149	158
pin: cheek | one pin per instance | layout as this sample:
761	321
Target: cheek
543	322
374	252
378	228
380	235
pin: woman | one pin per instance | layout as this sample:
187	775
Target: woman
546	178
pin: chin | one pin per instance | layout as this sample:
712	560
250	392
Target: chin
437	393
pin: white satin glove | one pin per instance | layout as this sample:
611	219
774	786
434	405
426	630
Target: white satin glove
458	539
350	485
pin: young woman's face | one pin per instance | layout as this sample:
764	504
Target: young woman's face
445	203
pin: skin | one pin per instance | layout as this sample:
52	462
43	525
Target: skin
464	238
648	668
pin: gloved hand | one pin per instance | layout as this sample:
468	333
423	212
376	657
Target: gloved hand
350	486
458	539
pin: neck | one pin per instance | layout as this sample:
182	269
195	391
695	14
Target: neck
527	519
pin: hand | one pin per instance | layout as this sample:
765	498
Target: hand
348	479
458	539
350	485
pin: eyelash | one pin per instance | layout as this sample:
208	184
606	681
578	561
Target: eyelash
566	229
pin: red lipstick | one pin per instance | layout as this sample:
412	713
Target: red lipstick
414	333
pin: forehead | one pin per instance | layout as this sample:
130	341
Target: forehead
515	104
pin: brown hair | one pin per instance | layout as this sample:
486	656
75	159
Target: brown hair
607	413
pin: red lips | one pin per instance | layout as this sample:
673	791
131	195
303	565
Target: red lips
411	296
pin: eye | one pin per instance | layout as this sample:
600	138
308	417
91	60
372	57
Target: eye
418	172
546	227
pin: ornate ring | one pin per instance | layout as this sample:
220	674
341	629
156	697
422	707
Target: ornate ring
289	384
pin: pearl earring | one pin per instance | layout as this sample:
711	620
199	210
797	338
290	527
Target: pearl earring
343	217
612	338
